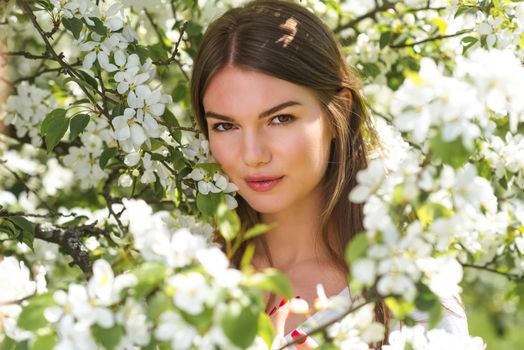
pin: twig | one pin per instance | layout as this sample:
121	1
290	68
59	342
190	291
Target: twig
351	24
70	240
175	51
16	301
6	214
23	183
44	56
510	276
106	193
43	71
327	324
438	37
59	58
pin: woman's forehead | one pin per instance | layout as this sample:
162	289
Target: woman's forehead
235	90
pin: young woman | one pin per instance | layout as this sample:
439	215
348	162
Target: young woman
286	122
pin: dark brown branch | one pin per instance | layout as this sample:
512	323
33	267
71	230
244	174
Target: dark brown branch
438	37
59	58
351	24
327	324
510	276
175	51
106	193
44	56
70	240
24	184
43	71
6	214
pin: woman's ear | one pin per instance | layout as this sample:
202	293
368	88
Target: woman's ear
345	93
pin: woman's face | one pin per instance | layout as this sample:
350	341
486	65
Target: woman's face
270	136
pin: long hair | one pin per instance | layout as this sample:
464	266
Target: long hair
286	41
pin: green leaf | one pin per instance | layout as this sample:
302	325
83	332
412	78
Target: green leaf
32	316
274	281
99	27
45	342
54	127
159	304
399	308
265	329
77	125
247	257
209	167
108	338
429	211
106	155
385	38
77	221
179	92
240	323
357	247
228	222
149	276
256	230
453	153
74	25
24	224
7	343
208	204
89	79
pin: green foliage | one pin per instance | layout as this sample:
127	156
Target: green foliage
54	127
356	248
32	316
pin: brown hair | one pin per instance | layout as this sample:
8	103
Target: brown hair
286	41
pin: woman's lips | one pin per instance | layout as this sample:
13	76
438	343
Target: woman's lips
262	183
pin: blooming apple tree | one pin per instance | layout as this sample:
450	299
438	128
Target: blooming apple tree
110	198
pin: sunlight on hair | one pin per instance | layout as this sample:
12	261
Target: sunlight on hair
291	27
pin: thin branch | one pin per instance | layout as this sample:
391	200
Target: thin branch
44	56
59	58
6	214
17	301
43	71
325	325
175	51
438	37
23	183
510	276
70	240
106	193
351	24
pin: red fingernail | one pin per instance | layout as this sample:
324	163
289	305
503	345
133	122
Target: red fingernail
297	334
282	302
272	311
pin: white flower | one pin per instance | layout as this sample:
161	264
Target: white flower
436	339
173	327
128	131
357	330
130	80
368	181
16	280
443	274
104	286
190	292
213	260
364	271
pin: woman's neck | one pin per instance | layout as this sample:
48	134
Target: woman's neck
295	237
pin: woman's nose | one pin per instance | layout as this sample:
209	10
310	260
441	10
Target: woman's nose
256	151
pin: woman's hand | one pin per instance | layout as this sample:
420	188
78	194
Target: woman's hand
279	316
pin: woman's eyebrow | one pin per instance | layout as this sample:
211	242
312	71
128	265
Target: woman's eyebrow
262	115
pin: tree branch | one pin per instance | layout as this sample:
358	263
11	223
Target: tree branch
59	58
70	240
510	276
438	37
378	8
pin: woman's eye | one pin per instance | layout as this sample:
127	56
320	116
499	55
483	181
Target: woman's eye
222	126
282	119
